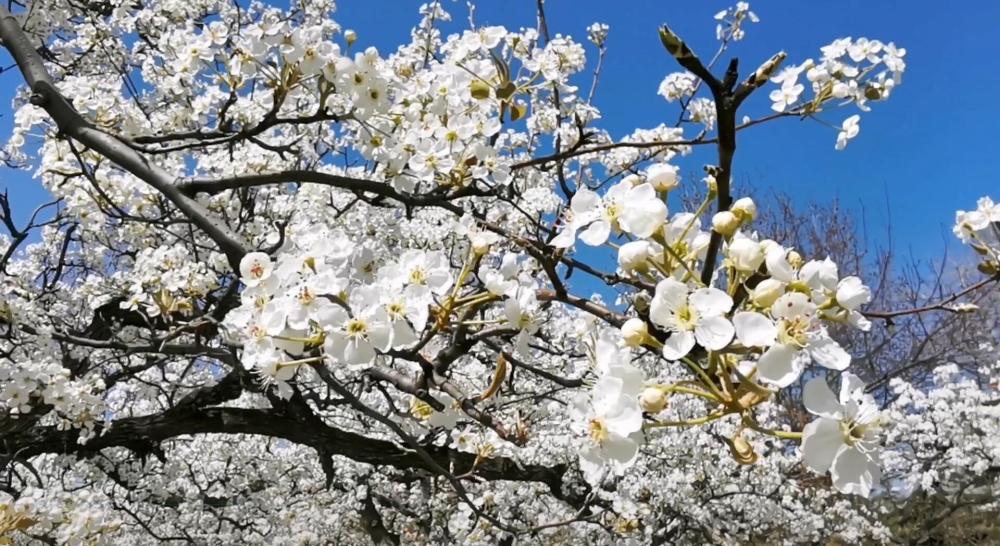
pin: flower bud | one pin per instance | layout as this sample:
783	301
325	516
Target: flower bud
725	223
744	209
634	332
633	257
663	177
652	400
350	37
712	184
767	292
745	255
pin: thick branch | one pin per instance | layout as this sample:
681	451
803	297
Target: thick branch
142	433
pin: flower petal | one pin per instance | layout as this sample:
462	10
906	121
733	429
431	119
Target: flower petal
828	353
754	329
714	333
854	472
821	442
820	400
711	302
779	365
678	345
596	233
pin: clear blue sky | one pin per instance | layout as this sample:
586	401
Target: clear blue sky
929	150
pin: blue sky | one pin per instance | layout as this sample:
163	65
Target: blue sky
926	152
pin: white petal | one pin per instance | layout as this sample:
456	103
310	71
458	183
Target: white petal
625	418
566	238
596	233
714	333
852	293
778	266
791	305
820	400
710	302
583	200
828	353
402	334
779	365
852	472
670	296
358	351
621	450
678	345
754	329
327	313
821	441
643	211
592	464
851	387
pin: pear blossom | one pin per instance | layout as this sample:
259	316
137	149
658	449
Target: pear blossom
786	95
610	417
848	130
255	268
522	313
844	439
800	339
354	339
691	316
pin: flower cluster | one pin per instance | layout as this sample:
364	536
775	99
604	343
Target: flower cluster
980	229
850	71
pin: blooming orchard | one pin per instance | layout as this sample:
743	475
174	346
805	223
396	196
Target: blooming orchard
366	264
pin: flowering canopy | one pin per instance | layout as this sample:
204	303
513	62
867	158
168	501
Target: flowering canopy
361	263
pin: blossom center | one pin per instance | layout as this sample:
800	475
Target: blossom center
356	328
598	430
686	318
418	276
794	331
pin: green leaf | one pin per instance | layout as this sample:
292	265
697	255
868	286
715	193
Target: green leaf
506	90
480	90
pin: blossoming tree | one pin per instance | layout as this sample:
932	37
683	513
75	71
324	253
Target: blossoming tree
291	290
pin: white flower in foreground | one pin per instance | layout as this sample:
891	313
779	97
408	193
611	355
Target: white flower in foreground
976	224
754	329
799	338
744	254
691	316
355	339
848	130
422	268
642	212
610	417
786	95
634	209
255	268
844	440
582	211
522	313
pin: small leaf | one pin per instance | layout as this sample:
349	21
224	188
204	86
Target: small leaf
506	90
480	90
498	377
517	111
